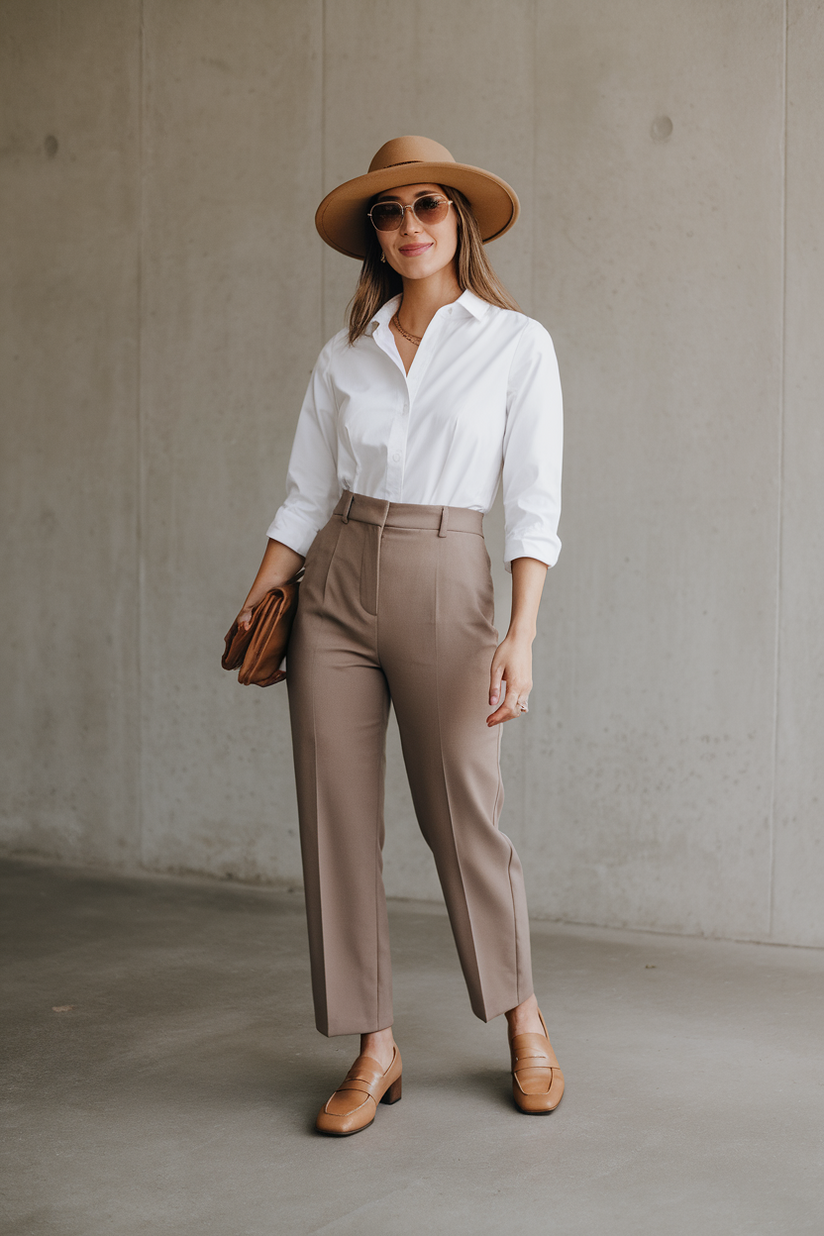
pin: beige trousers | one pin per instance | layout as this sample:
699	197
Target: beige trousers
396	604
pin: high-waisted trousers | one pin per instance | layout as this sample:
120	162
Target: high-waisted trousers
397	605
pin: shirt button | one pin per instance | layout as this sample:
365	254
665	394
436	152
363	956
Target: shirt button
396	457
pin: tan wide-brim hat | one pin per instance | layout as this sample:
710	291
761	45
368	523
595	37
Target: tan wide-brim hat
341	217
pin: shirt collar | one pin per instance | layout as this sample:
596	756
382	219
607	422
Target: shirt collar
467	300
384	314
473	304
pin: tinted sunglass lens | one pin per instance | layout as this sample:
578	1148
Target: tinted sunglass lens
387	216
431	209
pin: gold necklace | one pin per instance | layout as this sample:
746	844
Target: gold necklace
415	339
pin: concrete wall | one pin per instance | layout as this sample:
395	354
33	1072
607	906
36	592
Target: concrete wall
166	297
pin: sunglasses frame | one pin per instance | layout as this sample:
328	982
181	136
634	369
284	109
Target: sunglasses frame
403	209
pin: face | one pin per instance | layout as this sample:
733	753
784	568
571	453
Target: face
415	250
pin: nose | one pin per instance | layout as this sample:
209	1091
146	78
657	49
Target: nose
410	222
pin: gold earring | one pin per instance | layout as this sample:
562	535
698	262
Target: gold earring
383	257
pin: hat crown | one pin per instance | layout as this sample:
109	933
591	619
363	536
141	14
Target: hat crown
400	150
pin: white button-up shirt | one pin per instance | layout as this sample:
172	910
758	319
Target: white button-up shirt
481	404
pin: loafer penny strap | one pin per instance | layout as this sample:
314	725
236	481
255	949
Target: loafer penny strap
365	1075
532	1051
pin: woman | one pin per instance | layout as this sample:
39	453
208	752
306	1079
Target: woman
439	389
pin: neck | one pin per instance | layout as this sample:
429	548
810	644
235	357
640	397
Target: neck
422	298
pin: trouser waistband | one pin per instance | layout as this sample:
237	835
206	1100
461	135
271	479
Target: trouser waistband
408	515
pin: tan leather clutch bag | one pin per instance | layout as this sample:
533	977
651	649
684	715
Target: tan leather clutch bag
258	652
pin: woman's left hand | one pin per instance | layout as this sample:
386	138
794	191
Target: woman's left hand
512	664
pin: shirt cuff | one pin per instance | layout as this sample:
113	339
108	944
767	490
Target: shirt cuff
293	532
545	549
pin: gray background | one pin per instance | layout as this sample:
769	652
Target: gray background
164	298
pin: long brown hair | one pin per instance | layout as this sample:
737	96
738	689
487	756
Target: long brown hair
379	281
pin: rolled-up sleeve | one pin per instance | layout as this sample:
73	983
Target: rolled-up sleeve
312	487
533	450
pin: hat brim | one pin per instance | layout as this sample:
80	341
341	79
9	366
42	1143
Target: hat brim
342	221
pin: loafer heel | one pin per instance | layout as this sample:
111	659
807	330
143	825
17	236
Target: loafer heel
393	1093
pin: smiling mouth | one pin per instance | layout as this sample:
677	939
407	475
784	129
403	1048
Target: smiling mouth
406	249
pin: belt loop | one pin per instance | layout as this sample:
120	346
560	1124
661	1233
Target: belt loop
444	528
348	508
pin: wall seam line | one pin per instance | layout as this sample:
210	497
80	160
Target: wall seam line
58	76
533	188
322	166
782	390
140	435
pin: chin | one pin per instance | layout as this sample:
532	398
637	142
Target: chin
411	268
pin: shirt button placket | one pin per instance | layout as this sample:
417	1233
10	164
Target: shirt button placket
395	453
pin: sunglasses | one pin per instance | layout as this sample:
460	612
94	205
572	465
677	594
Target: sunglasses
388	216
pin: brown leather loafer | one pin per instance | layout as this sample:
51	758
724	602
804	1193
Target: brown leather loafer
537	1080
353	1105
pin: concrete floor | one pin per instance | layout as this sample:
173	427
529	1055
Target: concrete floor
177	1093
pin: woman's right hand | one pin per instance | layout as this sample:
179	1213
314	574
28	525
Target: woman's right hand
280	563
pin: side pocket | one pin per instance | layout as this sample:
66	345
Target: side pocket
319	561
487	591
